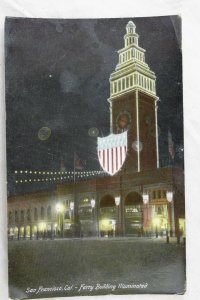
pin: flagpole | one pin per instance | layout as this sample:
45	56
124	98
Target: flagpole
74	197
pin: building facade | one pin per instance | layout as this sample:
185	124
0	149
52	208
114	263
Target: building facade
142	199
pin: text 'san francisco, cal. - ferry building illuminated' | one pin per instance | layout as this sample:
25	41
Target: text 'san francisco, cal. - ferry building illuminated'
139	198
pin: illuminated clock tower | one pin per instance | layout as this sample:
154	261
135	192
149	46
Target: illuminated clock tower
133	104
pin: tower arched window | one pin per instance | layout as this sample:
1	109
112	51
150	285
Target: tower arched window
150	85
115	87
123	84
131	80
49	213
42	213
142	81
127	82
134	78
119	85
145	84
139	79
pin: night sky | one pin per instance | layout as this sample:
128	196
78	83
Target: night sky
57	76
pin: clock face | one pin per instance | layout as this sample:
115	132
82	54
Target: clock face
123	121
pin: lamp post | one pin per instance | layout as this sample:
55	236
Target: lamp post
169	196
145	198
71	206
117	203
93	202
59	209
156	223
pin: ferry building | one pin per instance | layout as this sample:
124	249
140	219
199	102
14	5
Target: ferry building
135	197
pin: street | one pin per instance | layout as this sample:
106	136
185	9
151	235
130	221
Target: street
67	267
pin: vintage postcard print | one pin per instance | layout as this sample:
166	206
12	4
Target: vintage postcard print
95	156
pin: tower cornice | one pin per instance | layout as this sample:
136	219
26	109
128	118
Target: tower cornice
116	97
131	46
133	67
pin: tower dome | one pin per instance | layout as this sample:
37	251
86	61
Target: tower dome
130	27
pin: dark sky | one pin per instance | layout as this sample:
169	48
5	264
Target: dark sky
57	76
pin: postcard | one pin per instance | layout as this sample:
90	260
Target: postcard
95	157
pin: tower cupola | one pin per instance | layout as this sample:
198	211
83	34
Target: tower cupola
131	37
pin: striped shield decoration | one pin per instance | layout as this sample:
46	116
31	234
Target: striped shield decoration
112	151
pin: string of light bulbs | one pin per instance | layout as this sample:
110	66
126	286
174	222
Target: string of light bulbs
66	175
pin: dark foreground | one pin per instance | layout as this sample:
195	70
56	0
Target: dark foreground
73	267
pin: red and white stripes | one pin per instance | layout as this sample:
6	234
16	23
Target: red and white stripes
112	156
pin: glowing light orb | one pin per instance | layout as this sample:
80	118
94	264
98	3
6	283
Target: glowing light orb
44	133
93	132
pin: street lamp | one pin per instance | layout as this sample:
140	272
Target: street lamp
169	196
145	198
71	206
59	209
117	203
93	202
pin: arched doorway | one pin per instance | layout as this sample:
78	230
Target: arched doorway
85	217
28	231
107	216
34	231
133	214
21	232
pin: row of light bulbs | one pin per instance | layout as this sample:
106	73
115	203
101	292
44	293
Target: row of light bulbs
59	172
30	180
